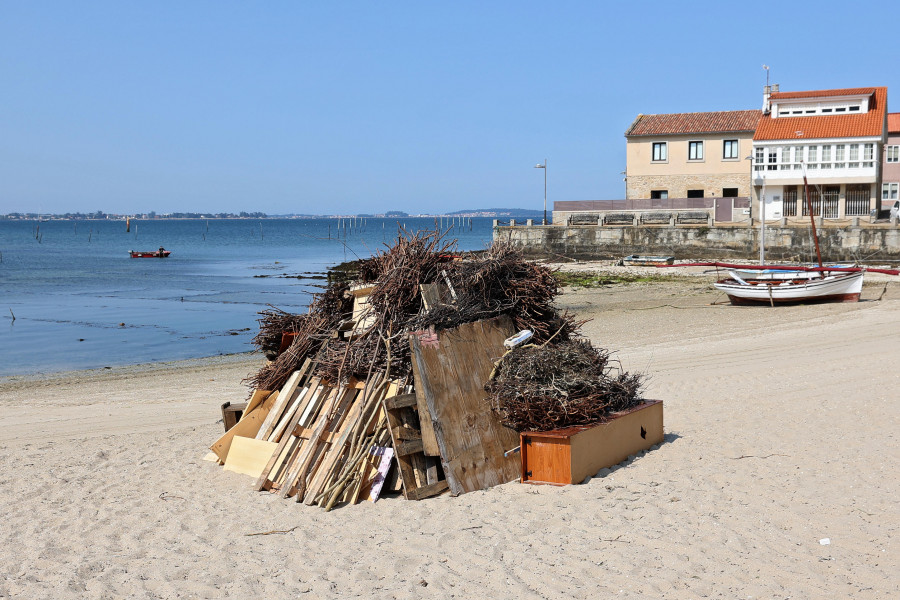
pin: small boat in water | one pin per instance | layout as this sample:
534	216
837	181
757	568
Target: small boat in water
161	253
639	260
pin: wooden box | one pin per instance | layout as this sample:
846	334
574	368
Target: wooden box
232	413
569	455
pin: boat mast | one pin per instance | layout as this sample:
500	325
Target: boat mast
812	218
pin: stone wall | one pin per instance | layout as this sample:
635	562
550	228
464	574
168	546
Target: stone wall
872	243
639	186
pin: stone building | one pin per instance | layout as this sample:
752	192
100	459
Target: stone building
690	155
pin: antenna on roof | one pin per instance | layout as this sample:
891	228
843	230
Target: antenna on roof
766	67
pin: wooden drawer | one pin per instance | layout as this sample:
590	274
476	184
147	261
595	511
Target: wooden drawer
564	456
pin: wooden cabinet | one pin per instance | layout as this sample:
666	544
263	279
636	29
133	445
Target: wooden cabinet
569	455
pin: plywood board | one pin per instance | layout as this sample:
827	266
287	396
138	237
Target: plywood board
248	455
248	426
452	372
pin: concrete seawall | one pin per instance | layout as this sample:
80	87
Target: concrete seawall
870	243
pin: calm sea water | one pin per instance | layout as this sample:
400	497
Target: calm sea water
80	302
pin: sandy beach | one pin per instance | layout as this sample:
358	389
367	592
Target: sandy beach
781	433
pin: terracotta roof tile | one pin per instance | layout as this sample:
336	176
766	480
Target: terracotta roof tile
701	122
893	122
869	124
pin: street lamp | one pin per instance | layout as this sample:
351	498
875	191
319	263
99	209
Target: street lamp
762	210
544	167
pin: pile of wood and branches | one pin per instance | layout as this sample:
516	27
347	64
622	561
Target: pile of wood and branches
544	387
390	370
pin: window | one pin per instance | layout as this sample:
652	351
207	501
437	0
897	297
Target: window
798	156
758	160
892	154
695	150
659	194
695	193
868	155
854	108
854	156
839	152
730	149
660	152
729	192
826	156
785	158
889	191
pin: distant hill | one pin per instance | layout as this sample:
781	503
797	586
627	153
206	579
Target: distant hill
498	212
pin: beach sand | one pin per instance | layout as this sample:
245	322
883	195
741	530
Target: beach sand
781	431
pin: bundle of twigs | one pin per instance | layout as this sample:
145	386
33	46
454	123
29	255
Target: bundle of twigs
537	388
500	281
325	313
274	322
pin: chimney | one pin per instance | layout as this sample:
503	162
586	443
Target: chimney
766	91
774	88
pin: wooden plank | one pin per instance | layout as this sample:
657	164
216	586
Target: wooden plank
407	447
284	397
248	456
367	398
428	491
286	418
307	455
400	401
430	442
332	442
263	478
452	372
434	294
248	426
256	399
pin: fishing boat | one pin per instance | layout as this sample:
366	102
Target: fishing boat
161	253
827	286
638	260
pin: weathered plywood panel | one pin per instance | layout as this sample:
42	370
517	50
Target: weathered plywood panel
248	455
452	371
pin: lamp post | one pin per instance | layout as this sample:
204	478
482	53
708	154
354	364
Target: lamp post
544	167
762	211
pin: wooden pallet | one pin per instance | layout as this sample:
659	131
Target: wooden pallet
421	475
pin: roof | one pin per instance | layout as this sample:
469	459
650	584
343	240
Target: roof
868	124
823	93
893	122
701	122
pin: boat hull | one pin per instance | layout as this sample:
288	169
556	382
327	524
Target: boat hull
833	288
636	260
153	254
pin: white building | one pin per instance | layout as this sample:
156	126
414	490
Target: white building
835	137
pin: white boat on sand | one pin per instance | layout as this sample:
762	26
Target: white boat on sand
843	286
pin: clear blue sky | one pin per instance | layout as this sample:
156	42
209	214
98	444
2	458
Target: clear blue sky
345	107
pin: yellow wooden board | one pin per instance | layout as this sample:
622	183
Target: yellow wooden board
248	426
249	456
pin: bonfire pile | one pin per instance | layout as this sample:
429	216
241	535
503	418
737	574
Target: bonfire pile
341	401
